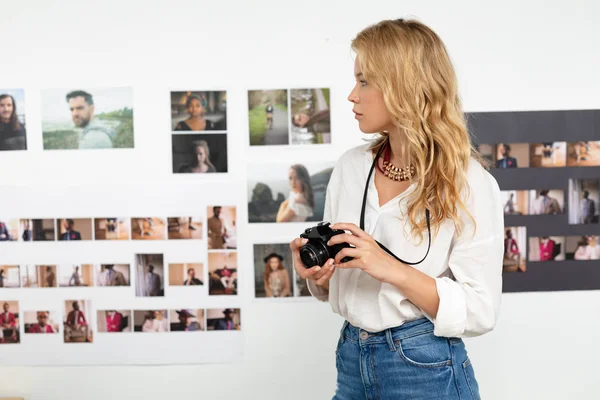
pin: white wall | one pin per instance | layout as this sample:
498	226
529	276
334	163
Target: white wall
509	55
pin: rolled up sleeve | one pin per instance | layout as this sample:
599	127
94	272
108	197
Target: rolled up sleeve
470	297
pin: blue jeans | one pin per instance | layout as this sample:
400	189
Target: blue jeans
406	362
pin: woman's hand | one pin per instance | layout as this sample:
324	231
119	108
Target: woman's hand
367	254
318	274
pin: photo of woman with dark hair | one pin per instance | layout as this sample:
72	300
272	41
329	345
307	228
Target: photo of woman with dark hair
196	106
206	111
12	131
301	201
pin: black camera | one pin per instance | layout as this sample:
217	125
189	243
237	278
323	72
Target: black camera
316	251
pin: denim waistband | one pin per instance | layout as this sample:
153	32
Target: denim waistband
408	329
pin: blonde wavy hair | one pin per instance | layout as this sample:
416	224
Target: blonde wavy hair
409	63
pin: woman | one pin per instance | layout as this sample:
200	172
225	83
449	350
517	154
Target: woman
154	321
301	199
430	201
201	162
584	250
12	132
196	106
276	277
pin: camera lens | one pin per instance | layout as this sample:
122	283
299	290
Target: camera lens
313	254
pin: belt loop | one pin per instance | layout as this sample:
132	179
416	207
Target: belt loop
390	339
342	334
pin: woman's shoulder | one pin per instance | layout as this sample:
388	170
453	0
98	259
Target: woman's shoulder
354	156
480	178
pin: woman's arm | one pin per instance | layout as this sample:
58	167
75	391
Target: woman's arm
284	214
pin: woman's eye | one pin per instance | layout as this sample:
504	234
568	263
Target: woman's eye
363	83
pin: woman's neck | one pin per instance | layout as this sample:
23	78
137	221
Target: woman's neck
398	148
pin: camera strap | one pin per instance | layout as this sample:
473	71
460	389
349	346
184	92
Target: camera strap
362	215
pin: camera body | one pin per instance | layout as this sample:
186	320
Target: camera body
316	251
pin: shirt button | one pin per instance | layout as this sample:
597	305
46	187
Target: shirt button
364	335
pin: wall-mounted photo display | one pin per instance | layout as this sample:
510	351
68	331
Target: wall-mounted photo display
584	195
186	274
199	153
111	275
150	321
10	276
9	230
548	154
198	111
221	227
514	202
512	155
547	202
149	275
585	247
184	228
114	321
76	275
37	230
10	327
515	247
38	276
148	228
73	229
186	320
547	248
13	130
77	322
111	228
223	319
292	192
222	273
42	322
82	118
583	154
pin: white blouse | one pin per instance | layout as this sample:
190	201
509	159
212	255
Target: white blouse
467	269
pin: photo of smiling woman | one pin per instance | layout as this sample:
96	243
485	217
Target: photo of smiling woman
431	200
199	111
12	124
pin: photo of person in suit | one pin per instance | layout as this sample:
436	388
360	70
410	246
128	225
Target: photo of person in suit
9	323
113	275
545	203
77	328
114	321
41	322
69	233
187	320
506	161
227	319
149	278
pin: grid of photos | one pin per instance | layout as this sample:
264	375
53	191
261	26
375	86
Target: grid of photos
289	117
287	193
111	228
199	132
87	119
13	130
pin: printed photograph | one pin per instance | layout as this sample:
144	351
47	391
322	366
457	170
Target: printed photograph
110	321
582	248
186	320
515	247
546	248
112	275
9	276
75	275
186	274
273	270
9	230
42	322
547	202
38	276
512	155
221	227
99	118
311	116
222	273
287	192
149	228
37	230
184	228
150	321
74	229
487	152
13	132
223	319
112	228
199	153
548	155
199	111
583	154
77	326
584	195
150	275
10	328
514	202
268	117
